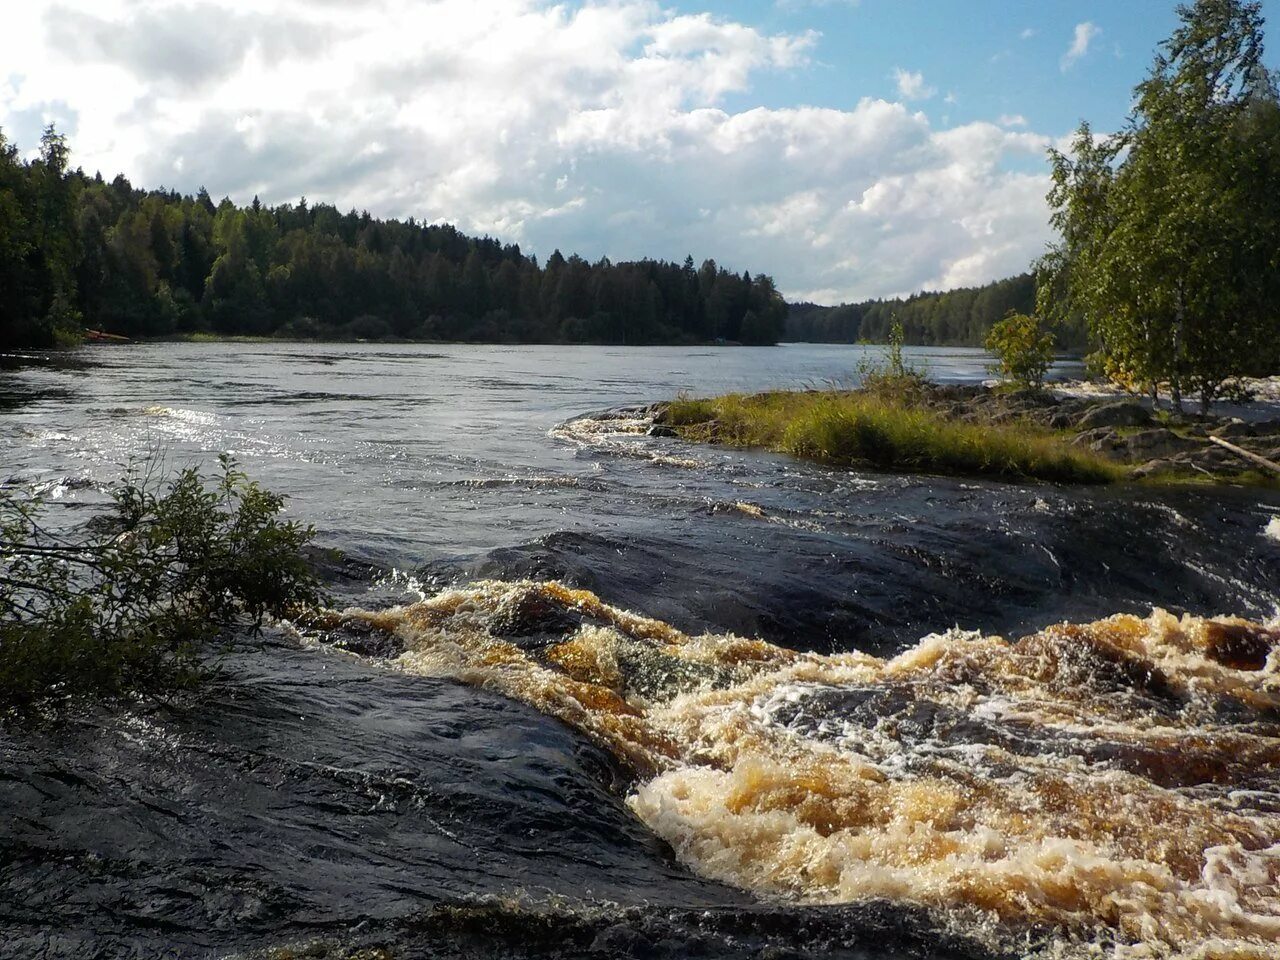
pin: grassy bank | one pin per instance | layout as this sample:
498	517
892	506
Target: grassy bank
847	428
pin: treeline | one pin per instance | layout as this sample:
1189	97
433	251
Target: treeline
77	252
959	317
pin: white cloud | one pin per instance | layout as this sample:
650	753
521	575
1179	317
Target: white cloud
1027	34
911	85
1012	120
1085	33
600	128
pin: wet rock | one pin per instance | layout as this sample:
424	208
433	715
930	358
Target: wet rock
1240	646
1121	413
366	640
619	941
533	615
661	430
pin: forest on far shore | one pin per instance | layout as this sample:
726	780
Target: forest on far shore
81	252
960	318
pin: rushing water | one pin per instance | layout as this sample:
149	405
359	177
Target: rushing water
763	758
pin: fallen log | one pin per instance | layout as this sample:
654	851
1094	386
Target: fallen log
1247	455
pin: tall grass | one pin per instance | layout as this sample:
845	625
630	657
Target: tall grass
846	428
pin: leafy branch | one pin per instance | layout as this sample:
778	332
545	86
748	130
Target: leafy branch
128	605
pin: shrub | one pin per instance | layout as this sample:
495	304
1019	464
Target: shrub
892	378
1023	349
129	606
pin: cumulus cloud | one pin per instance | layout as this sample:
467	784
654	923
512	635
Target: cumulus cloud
603	128
911	85
1085	33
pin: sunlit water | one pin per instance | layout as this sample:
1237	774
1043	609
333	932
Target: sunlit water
781	782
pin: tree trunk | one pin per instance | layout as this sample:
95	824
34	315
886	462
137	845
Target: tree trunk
1175	379
1207	393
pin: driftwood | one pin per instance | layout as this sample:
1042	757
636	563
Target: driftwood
1252	457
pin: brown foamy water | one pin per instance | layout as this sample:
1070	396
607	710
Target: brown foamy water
1116	784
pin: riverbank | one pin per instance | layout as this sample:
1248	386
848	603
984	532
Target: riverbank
1063	436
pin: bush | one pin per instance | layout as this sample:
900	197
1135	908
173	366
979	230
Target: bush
1023	349
129	606
892	379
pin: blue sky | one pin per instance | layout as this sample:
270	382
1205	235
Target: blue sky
995	56
850	149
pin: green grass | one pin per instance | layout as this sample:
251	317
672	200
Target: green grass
846	428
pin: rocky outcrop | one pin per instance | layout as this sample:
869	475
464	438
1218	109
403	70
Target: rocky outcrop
1123	430
1117	413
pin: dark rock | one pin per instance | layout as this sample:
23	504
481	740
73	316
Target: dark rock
1159	442
533	615
366	640
661	430
1120	413
620	941
1240	646
1234	430
1101	440
1158	466
1031	398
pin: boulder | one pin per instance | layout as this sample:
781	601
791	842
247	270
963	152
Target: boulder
1158	466
661	430
1235	430
1088	438
1119	413
366	640
1159	442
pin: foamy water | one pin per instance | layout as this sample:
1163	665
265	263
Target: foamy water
1114	782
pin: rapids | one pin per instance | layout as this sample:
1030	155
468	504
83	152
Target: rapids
596	692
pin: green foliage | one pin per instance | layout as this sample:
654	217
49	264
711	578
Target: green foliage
155	263
128	607
891	378
1170	231
959	317
845	428
1023	349
39	241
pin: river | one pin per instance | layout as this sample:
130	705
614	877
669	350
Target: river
537	771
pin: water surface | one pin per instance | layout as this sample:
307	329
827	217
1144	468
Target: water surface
313	794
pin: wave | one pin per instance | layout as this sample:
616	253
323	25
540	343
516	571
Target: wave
620	435
1114	783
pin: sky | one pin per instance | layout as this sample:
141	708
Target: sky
849	148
